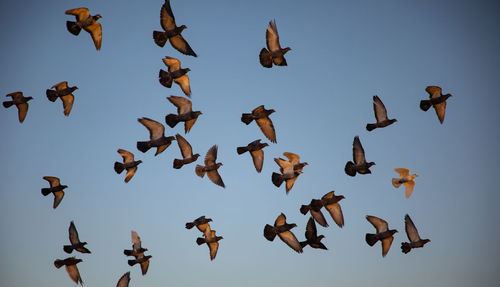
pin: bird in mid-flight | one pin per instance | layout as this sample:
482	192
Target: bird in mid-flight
21	103
184	113
211	240
437	100
71	268
255	149
405	178
87	22
282	229
56	188
76	244
128	163
175	73
331	203
211	167
383	234
359	165
124	280
138	252
261	117
412	233
290	170
380	115
65	93
274	53
312	238
201	223
156	136
186	151
315	209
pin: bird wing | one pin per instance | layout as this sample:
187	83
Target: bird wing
16	96
402	171
379	109
272	37
411	230
184	146
74	274
358	153
189	124
336	212
54	181
172	63
80	13
156	130
258	159
136	241
289	238
280	220
144	266
60	86
286	167
211	155
67	101
311	232
289	183
440	110
213	246
73	234
266	126
183	105
22	111
434	91
167	18
124	280
379	224
386	245
95	30
292	158
126	155
58	196
181	45
130	173
215	177
183	82
409	186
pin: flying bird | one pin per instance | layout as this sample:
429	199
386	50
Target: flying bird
261	117
124	280
172	32
211	167
201	223
315	209
312	238
156	136
437	100
282	229
274	53
76	244
211	240
56	188
380	115
138	252
86	22
255	149
290	170
65	93
128	163
71	268
360	165
21	103
331	202
413	237
184	113
405	178
186	151
175	73
383	234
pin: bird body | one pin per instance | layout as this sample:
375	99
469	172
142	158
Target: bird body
383	234
211	167
261	117
437	100
21	103
405	178
274	53
282	229
380	115
185	113
138	252
76	244
87	22
156	135
175	73
55	188
186	151
359	165
128	163
255	150
71	268
413	236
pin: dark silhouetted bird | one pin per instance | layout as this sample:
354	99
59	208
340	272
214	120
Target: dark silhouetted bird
86	22
274	53
156	136
21	103
405	178
65	93
172	32
290	170
184	113
315	209
360	165
255	149
261	117
175	73
124	280
412	233
128	163
331	202
282	229
383	234
211	167
75	241
437	100
201	223
138	252
186	151
56	188
380	115
71	268
211	240
312	238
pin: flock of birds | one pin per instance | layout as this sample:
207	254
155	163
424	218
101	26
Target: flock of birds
290	168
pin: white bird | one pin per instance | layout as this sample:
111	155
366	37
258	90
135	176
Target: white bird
405	178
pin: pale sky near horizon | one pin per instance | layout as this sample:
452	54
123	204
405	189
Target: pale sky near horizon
343	53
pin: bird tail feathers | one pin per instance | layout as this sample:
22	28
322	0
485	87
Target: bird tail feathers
128	252
178	163
246	118
171	120
303	244
119	167
241	149
189	225
371	127
396	183
73	28
350	168
269	233
132	262
277	179
405	247
143	146
425	105
51	95
304	209
265	58
200	240
8	103
68	248
45	191
160	38
371	239
58	263
199	171
165	78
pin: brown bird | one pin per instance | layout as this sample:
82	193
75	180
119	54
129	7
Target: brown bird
21	103
124	280
156	135
71	268
282	229
138	252
413	237
383	234
211	240
172	32
211	167
65	93
76	244
290	170
331	202
315	209
175	73
186	151
380	115
128	163
56	188
437	100
312	238
201	223
405	178
274	53
261	117
184	113
87	22
360	165
255	149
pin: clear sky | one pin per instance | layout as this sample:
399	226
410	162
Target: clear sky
343	53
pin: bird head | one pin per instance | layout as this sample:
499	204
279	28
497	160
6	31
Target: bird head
97	17
370	164
64	186
29	98
321	237
285	50
187	70
138	162
264	145
182	27
197	113
424	241
219	164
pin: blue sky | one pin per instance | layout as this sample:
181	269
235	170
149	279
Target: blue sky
343	53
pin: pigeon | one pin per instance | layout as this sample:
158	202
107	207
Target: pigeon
186	151
175	73
184	113
211	240
65	93
413	237
437	100
290	170
331	202
75	241
56	188
87	22
274	53
124	280
138	252
71	268
405	178
261	117
21	103
255	149
315	209
312	238
380	115
128	163
360	165
201	223
211	167
172	32
156	136
383	234
282	229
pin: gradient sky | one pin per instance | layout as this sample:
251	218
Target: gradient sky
343	53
